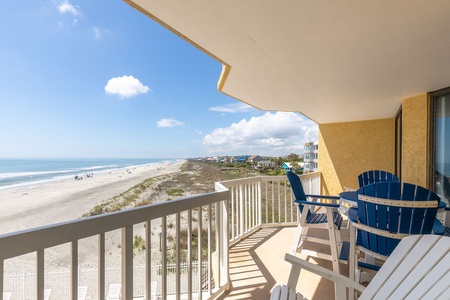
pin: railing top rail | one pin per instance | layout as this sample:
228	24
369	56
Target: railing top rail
234	182
31	240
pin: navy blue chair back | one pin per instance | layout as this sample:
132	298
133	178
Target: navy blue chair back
374	176
394	219
297	188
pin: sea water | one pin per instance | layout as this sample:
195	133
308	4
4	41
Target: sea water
19	172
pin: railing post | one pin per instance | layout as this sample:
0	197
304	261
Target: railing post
222	209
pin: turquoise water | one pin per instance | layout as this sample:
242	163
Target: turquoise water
17	172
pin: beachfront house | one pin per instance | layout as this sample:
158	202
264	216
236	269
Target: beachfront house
287	166
254	159
267	164
374	76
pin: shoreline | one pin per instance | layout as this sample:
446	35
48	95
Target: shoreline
32	206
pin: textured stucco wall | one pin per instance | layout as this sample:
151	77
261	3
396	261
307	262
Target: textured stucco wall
348	149
415	140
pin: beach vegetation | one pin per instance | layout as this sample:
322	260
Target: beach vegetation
175	192
139	243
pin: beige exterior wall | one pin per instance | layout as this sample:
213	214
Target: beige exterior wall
348	149
415	140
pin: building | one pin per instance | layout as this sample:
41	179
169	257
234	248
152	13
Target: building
254	159
311	157
265	164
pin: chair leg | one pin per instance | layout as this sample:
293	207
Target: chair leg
352	260
297	237
333	245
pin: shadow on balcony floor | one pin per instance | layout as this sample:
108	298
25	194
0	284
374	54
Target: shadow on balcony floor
257	265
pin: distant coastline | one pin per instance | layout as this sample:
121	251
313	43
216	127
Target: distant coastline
25	172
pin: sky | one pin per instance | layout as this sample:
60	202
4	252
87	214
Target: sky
98	79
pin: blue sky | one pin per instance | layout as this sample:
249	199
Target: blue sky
98	79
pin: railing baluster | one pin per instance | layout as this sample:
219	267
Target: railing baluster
279	202
253	205
127	262
232	213
2	269
148	260
273	203
189	253
218	242
285	203
245	208
74	270
199	243
40	275
163	257
267	201
209	249
241	210
178	258
259	203
101	266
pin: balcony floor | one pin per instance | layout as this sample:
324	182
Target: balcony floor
257	265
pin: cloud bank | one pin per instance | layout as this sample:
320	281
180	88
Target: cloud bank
272	134
125	87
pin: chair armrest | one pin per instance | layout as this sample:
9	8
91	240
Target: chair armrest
303	202
353	214
341	282
324	197
334	199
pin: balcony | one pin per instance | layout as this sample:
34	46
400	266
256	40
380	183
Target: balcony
240	232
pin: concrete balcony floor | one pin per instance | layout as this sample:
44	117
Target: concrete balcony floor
257	265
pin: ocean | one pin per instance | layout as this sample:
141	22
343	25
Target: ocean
20	172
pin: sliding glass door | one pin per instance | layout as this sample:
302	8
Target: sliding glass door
441	143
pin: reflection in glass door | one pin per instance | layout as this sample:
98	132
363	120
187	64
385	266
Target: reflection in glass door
442	144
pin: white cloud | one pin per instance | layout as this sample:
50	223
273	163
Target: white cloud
125	87
232	108
99	32
65	7
271	134
198	131
169	123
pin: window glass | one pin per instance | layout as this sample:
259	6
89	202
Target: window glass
442	147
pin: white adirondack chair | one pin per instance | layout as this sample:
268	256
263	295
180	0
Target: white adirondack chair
419	267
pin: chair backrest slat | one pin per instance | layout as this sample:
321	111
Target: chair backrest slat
297	188
391	218
373	176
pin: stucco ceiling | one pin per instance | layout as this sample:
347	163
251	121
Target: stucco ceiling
332	61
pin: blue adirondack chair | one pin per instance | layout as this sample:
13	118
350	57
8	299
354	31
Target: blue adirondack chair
373	176
329	220
387	212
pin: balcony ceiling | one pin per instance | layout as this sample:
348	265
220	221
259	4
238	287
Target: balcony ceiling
333	61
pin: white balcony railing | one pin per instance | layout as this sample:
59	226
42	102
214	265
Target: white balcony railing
211	222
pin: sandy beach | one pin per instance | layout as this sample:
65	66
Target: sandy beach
63	200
